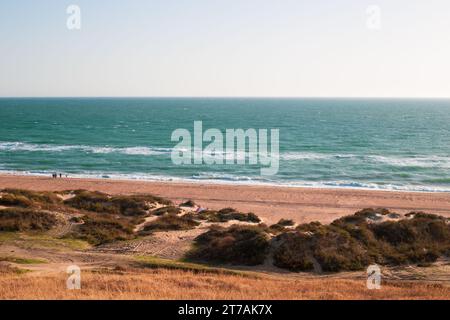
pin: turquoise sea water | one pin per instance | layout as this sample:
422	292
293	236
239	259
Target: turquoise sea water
361	143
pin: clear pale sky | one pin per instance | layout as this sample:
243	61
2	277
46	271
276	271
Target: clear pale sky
319	48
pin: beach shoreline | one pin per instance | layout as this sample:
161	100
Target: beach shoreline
270	203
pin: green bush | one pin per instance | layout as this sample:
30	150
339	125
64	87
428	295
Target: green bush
102	229
395	232
332	248
92	201
353	242
280	226
122	205
245	245
16	219
286	222
11	200
188	203
228	214
276	228
171	210
169	223
25	198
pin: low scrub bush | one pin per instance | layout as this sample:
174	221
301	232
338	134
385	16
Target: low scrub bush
26	198
228	214
11	200
188	203
332	248
17	219
171	210
245	245
169	223
353	242
102	229
122	205
92	201
281	226
286	222
276	229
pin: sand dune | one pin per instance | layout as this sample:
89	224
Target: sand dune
270	203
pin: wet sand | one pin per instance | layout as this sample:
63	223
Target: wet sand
270	203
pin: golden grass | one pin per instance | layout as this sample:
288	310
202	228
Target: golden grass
160	263
176	284
39	241
20	260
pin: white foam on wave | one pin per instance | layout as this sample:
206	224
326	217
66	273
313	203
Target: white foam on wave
143	151
289	156
30	147
431	161
224	178
416	161
23	146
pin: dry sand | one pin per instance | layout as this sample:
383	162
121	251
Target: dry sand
270	203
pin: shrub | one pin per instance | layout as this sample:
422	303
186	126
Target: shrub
353	242
25	198
99	230
209	215
276	228
395	232
15	200
166	210
372	213
280	226
124	205
189	203
92	201
15	219
169	223
246	245
333	249
286	222
76	220
294	252
228	214
131	206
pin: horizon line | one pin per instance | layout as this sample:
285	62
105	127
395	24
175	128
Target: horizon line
218	97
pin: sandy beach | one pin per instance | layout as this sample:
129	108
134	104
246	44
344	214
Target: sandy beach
270	203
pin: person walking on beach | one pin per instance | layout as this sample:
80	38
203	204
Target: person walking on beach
60	175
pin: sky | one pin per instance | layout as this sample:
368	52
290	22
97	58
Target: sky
226	48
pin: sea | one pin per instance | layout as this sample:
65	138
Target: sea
383	144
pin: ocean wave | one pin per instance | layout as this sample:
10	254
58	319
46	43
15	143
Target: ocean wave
418	161
31	147
143	151
289	156
432	161
415	161
23	146
224	178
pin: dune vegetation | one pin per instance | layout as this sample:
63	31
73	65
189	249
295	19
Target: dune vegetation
211	249
245	245
18	219
347	244
162	283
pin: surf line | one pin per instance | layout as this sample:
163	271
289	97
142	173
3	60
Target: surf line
239	147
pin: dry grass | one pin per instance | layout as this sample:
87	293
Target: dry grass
175	284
